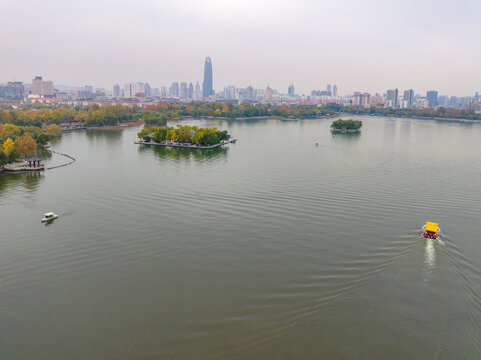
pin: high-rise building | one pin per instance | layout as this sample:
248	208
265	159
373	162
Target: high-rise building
443	101
42	87
190	91
268	94
392	98
183	90
14	90
334	90
229	93
197	92
291	90
432	98
116	91
453	101
361	99
329	88
207	85
134	89
163	91
249	93
174	89
147	90
89	89
409	98
259	94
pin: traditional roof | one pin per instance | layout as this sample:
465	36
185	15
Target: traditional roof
33	158
430	226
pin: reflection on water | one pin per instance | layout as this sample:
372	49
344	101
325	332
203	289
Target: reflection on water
346	138
29	181
180	154
429	254
44	153
111	136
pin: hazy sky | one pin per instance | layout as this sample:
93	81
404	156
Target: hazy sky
368	45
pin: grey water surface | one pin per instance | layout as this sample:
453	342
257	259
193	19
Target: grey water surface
271	248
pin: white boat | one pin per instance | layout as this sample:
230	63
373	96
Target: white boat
49	217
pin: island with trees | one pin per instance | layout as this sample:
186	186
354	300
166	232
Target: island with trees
184	136
346	126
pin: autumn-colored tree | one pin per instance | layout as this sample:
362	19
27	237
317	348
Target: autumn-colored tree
8	146
54	130
81	116
172	135
26	145
197	138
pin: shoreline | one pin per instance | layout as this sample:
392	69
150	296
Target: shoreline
414	117
185	146
106	127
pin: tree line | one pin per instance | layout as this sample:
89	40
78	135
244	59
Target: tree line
229	110
184	134
158	113
439	112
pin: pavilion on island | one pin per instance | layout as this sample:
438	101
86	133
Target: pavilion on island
34	161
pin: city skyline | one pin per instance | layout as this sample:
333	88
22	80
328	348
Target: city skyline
359	46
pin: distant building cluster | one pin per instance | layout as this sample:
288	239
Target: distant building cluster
44	91
392	98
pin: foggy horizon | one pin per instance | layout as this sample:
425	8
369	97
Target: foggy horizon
370	46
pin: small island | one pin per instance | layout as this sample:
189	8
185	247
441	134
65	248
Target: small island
346	126
184	136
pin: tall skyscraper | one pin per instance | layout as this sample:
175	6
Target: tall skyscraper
291	90
42	87
116	91
207	87
268	94
134	89
174	89
443	100
229	93
432	98
197	92
393	98
147	89
183	90
334	91
409	98
190	92
249	93
163	91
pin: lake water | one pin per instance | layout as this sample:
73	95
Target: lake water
271	248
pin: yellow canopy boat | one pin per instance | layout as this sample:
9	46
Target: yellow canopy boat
431	230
